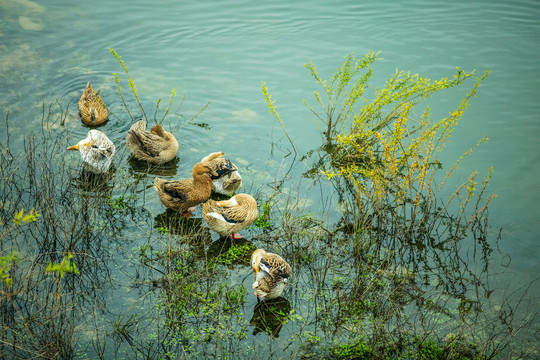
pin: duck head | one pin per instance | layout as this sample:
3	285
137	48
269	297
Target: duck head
158	130
256	257
83	145
94	138
202	168
96	151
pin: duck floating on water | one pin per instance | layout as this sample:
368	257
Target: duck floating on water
96	151
228	179
91	108
156	146
271	274
183	195
228	217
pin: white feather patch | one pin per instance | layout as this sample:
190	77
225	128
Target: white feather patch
233	201
264	268
216	215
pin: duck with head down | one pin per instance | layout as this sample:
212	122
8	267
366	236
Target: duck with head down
96	151
183	195
156	146
271	274
228	217
91	108
228	179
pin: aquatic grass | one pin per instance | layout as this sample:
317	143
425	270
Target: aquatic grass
263	220
65	266
131	83
272	109
10	260
381	156
133	88
398	245
364	284
65	233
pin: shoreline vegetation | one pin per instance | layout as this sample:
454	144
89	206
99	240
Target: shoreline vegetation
389	266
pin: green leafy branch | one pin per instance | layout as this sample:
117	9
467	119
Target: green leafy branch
6	263
273	110
66	266
10	260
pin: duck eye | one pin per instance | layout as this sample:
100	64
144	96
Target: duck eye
95	146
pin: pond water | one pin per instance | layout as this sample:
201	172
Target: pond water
221	52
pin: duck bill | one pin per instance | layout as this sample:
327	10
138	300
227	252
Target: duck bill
74	147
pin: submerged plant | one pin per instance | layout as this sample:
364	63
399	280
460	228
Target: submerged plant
263	221
10	260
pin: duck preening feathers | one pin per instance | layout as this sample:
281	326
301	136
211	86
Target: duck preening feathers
271	274
228	179
156	146
228	217
96	151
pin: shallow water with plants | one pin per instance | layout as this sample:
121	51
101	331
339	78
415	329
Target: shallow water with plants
404	200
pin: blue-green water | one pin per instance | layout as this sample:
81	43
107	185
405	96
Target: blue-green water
221	52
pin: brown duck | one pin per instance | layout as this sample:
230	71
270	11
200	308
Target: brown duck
271	274
156	146
183	195
268	288
91	108
228	217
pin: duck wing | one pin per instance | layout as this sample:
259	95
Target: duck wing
147	141
275	266
233	214
177	190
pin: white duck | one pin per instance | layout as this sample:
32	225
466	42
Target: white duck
96	151
228	180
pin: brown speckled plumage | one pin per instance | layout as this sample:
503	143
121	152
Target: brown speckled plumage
268	288
91	108
230	216
156	146
271	274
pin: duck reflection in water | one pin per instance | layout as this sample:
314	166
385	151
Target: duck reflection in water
174	223
139	167
270	315
91	182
